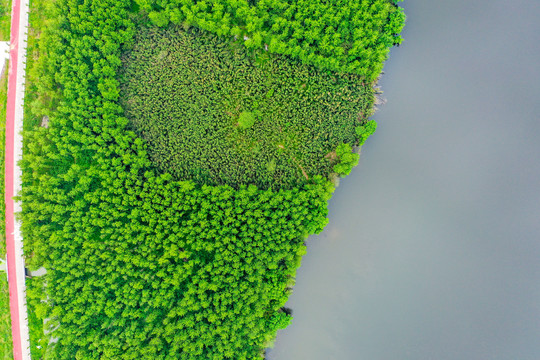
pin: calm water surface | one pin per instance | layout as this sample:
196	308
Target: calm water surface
433	246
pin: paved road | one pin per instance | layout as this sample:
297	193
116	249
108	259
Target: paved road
14	116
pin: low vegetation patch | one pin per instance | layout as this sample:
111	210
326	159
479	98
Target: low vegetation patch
35	298
5	19
6	344
211	113
3	101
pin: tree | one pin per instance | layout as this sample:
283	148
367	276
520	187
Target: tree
246	120
347	159
365	131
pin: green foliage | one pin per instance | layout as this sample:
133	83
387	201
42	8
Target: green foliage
3	101
340	35
189	263
246	120
364	131
36	310
203	277
6	343
5	19
280	320
347	159
141	266
42	94
185	92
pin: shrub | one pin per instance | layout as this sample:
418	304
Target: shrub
246	120
364	131
347	159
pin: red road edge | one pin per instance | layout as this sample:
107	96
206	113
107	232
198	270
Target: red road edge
9	172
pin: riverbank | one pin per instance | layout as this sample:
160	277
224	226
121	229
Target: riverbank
432	253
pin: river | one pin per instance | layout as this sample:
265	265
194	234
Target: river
433	245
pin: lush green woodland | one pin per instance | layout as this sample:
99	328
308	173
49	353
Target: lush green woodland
340	35
181	171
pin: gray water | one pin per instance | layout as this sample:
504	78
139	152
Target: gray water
433	246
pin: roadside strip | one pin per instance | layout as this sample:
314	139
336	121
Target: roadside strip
14	117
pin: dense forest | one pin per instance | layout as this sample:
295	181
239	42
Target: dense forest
148	258
340	35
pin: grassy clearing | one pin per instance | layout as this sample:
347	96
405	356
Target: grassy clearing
5	19
3	101
6	345
212	113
